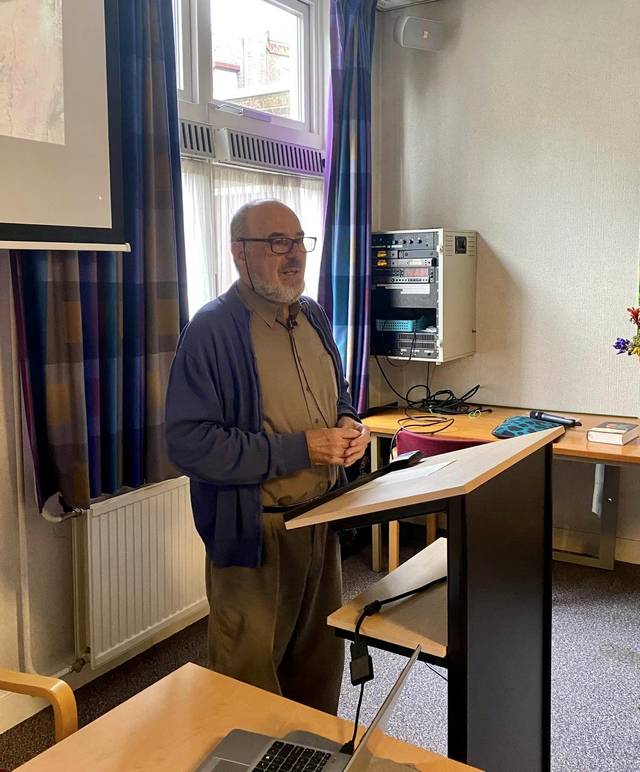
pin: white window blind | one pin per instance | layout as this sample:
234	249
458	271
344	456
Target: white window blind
212	194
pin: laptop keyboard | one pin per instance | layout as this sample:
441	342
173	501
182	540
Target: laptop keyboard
287	757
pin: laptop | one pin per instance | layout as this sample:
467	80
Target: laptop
242	751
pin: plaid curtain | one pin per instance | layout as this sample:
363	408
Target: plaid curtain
97	331
345	272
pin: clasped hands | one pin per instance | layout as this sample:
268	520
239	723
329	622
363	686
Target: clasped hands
343	445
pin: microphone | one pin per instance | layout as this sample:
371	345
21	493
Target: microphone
556	419
294	310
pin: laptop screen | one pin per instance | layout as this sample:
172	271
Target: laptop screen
369	744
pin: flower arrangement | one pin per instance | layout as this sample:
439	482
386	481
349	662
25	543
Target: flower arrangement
626	346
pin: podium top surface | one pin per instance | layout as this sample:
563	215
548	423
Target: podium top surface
439	477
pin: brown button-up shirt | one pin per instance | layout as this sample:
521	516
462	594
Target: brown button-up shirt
298	389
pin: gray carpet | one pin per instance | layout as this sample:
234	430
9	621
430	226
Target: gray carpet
595	708
596	677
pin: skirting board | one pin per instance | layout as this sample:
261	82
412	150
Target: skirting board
627	550
15	708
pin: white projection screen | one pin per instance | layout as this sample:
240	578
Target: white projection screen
60	155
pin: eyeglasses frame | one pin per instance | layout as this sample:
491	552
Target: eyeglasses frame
299	241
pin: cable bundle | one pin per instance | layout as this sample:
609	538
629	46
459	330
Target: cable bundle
443	401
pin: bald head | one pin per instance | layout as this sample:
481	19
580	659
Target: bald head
246	217
275	276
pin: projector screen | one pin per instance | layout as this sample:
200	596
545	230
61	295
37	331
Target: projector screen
60	122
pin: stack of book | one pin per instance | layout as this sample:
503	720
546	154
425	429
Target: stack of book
614	432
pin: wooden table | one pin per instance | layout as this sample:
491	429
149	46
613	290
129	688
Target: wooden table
573	446
173	725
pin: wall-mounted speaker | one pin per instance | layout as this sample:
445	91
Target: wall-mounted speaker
413	32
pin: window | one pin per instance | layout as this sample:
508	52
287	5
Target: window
260	57
254	65
182	25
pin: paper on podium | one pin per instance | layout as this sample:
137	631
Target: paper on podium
406	475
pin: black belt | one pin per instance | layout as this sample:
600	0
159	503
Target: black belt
276	509
410	458
308	504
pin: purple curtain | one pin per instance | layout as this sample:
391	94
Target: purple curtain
345	271
97	331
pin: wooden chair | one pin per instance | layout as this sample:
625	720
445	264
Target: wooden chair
54	690
430	445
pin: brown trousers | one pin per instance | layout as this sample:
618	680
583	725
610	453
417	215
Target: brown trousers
268	625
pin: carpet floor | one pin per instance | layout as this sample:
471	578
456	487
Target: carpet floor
595	689
595	677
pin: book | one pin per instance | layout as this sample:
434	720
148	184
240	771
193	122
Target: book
614	432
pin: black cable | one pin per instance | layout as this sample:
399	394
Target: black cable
444	678
384	375
246	264
427	423
443	401
406	362
375	605
349	746
359	648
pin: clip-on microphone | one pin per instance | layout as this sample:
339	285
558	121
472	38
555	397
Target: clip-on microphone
294	310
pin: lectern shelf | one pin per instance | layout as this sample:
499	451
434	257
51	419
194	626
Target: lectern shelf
421	619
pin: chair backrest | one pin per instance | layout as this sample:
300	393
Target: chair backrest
430	444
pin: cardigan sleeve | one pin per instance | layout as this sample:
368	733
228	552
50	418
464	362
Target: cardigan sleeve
201	446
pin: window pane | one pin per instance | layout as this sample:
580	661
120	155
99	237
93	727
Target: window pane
258	56
178	38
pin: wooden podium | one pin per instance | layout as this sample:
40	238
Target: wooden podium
491	624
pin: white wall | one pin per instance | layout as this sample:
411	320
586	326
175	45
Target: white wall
524	128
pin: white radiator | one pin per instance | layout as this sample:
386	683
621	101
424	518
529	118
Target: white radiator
141	570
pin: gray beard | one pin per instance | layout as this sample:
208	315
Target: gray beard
276	293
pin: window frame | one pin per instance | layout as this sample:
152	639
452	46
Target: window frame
201	106
184	37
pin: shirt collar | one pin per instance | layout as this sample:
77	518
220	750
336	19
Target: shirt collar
267	310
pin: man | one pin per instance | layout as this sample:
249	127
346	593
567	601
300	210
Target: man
259	417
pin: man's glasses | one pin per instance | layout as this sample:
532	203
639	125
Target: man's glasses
282	245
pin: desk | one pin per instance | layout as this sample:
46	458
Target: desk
573	446
174	723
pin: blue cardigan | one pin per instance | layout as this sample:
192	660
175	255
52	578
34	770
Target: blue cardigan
214	426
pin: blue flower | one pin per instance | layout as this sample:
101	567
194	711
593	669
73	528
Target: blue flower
622	345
